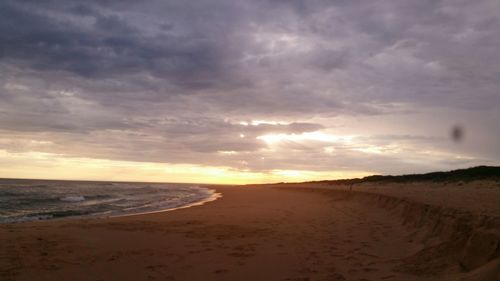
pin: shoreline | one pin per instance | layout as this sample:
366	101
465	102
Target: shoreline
268	232
215	195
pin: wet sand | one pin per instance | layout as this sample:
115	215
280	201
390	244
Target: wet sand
251	233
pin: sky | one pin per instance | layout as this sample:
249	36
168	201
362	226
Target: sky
234	91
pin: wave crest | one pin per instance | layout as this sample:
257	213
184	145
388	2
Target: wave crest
72	198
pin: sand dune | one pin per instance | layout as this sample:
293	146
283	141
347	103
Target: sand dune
275	232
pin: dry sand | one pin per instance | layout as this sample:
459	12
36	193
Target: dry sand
251	233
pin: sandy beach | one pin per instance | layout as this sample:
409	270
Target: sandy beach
268	232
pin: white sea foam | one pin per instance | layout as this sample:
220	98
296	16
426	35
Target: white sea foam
25	218
58	200
72	198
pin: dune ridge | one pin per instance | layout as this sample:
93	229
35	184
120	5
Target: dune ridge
473	239
449	222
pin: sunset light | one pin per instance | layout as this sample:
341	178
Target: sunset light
308	136
54	166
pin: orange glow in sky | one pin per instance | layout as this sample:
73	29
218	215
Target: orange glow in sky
53	166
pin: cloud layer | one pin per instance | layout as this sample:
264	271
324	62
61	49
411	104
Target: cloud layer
345	85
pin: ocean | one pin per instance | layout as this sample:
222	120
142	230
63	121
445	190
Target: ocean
32	200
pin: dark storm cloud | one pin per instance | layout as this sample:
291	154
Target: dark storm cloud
175	78
97	45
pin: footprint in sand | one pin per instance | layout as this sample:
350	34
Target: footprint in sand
337	277
307	270
298	279
243	251
355	250
351	258
368	255
369	269
221	271
114	257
